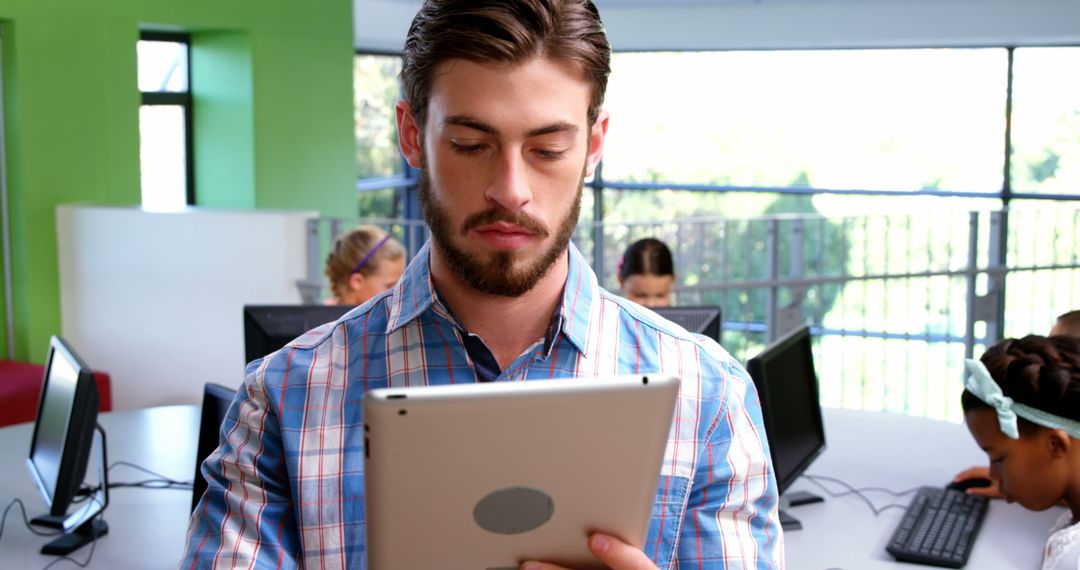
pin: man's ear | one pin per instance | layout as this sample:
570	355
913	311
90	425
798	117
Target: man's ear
597	134
1058	442
409	135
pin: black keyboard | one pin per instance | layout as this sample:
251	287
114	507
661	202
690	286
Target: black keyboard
938	528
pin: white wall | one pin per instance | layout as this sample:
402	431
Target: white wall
727	24
155	299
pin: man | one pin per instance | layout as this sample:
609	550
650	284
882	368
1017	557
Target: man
502	116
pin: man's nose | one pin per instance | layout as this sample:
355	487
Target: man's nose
509	187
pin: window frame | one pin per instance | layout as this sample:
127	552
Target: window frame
181	99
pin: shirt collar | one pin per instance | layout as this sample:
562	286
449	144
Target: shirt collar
415	293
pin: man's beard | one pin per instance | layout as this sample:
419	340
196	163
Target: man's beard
499	276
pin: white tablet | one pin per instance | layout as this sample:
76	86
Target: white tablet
487	476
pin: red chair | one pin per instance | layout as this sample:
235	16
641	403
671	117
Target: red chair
20	389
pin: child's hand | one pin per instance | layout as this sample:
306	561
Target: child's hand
992	491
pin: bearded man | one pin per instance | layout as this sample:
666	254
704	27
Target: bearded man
502	115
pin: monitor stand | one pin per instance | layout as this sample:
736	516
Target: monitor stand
84	525
788	522
794	499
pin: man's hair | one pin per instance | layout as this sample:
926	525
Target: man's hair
1042	372
1070	322
503	31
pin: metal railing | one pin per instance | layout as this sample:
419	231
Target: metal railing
895	302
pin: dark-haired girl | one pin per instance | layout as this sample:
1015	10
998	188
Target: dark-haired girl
1022	405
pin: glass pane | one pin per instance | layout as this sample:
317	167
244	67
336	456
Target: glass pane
163	67
1046	120
162	157
900	120
1044	242
383	203
376	91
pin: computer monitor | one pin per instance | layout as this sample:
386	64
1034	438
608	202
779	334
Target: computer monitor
704	320
270	327
60	449
791	409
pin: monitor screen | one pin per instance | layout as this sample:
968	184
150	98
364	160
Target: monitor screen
270	327
790	407
704	320
64	427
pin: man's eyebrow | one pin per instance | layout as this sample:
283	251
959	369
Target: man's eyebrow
472	123
476	124
567	128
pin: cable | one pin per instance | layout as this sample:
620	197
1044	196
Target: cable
817	480
154	484
145	470
93	541
26	520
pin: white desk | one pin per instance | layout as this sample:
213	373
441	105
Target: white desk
147	527
867	449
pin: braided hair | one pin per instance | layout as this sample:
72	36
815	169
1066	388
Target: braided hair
1041	372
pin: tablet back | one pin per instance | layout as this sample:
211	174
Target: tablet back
486	476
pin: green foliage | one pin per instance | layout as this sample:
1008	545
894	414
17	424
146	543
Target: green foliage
376	91
1045	169
377	203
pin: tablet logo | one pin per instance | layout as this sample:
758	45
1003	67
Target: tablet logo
514	510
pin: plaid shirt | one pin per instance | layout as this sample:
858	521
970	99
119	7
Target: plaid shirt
286	486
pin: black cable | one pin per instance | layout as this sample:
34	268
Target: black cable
863	489
817	480
26	520
145	470
154	484
93	541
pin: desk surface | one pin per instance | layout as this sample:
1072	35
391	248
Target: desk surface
867	449
147	527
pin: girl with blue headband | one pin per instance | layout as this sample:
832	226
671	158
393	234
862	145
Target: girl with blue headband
1022	405
363	263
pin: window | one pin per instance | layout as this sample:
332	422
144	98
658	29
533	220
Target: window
381	168
1046	121
165	149
892	120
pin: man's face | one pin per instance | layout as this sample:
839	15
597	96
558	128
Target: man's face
503	155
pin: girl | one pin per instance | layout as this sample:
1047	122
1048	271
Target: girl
364	262
1022	406
647	274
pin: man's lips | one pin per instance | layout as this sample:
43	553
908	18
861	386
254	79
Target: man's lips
504	228
503	235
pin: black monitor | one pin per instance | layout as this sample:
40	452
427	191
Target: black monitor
60	450
704	320
791	409
270	327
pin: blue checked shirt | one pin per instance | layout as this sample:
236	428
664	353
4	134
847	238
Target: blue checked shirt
286	486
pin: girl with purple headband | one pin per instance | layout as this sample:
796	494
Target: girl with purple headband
363	263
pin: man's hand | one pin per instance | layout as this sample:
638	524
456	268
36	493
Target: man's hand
611	551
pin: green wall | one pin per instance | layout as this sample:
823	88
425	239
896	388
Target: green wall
272	84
